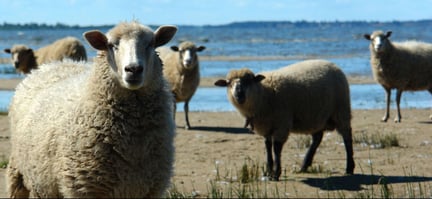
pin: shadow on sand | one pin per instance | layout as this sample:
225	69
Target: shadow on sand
233	130
425	122
355	182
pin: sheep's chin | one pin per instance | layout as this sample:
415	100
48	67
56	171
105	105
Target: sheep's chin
378	50
188	66
132	84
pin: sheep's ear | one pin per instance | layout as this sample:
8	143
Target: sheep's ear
200	48
367	36
388	34
174	48
7	50
221	83
164	34
96	39
259	78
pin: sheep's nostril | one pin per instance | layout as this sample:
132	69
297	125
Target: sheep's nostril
134	69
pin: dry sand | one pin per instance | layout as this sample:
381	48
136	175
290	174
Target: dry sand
218	140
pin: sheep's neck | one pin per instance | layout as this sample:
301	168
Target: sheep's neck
378	58
386	53
188	72
259	104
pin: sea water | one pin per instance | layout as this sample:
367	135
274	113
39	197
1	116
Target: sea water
363	96
260	46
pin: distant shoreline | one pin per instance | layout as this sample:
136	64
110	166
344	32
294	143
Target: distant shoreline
296	23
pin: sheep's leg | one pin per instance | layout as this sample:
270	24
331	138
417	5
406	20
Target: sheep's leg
388	95
16	188
316	141
186	110
430	91
269	146
277	147
347	138
174	109
398	98
247	121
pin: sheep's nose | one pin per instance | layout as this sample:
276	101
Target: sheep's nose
187	62
134	68
239	95
16	64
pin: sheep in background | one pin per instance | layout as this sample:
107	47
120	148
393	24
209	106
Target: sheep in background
404	66
100	130
181	69
308	97
25	59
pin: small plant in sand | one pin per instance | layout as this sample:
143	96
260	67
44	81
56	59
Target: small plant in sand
249	172
246	181
377	140
3	161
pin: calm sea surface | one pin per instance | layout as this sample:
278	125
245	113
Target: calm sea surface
340	42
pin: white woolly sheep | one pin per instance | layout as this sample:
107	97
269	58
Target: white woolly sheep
308	97
25	59
96	131
181	69
404	66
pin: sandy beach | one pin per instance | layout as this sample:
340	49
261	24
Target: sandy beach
213	152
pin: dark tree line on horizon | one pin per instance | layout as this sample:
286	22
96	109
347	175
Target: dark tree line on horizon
244	24
30	26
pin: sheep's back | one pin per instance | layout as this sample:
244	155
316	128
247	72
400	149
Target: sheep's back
68	47
42	79
312	92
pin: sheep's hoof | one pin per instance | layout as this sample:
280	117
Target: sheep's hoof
397	120
384	119
274	178
303	170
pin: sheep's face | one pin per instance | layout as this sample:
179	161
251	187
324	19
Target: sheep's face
21	57
130	50
239	87
188	54
379	40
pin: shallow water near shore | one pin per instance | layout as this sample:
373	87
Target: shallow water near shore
214	99
363	96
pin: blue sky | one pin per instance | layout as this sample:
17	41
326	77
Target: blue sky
208	12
